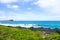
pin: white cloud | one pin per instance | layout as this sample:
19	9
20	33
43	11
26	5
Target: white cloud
52	6
29	8
2	15
27	16
11	1
8	1
27	0
16	7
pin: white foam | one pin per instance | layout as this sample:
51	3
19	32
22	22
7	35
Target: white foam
21	25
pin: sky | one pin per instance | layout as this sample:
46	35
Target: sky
30	10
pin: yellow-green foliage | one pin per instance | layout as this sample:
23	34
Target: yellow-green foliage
9	33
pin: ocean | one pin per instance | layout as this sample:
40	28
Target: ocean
45	24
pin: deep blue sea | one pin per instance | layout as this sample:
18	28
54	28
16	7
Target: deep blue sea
46	24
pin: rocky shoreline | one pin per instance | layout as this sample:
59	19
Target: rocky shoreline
44	30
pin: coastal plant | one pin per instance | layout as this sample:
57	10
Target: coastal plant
10	33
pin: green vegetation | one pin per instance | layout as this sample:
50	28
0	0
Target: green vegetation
9	33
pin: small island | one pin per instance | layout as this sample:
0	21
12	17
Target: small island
7	20
10	20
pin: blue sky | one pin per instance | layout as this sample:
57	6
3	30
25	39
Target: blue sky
30	9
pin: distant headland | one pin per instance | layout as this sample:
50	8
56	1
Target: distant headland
7	20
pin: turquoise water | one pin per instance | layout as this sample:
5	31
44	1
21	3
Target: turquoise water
46	24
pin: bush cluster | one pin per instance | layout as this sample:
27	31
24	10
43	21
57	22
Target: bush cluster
9	33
